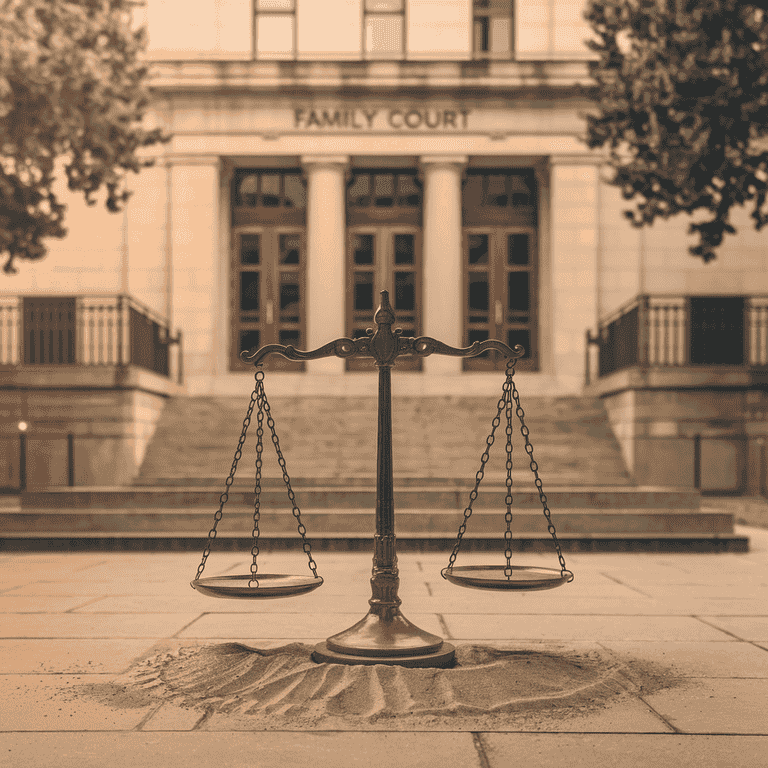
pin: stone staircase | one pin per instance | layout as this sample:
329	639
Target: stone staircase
330	450
433	437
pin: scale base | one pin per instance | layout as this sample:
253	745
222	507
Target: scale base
441	658
385	636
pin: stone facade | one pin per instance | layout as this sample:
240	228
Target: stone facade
78	432
690	435
329	104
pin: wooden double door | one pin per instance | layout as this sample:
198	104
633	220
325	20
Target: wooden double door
500	292
385	257
269	291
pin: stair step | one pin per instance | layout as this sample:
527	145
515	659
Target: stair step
169	541
418	497
323	522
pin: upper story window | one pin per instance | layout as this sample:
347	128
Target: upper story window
268	196
492	29
275	29
384	28
504	196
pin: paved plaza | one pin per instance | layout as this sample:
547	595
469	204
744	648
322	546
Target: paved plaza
688	634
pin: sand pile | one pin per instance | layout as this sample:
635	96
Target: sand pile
283	687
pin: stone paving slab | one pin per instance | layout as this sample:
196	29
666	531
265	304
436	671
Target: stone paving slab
600	628
698	659
98	589
171	717
710	591
753	628
235	625
238	750
504	750
39	655
712	705
318	601
39	604
96	625
48	703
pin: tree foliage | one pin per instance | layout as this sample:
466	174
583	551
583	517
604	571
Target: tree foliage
682	105
72	89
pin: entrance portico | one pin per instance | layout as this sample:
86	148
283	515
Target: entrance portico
453	156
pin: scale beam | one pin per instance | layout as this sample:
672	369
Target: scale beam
384	345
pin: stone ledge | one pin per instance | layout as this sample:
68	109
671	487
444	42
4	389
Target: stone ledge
684	377
81	377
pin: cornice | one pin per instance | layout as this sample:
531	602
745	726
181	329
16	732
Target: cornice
468	78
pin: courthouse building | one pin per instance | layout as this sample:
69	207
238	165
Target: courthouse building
325	150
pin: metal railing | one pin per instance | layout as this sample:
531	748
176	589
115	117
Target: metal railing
86	331
677	331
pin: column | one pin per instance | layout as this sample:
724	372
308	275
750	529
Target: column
195	252
443	257
146	239
575	243
326	250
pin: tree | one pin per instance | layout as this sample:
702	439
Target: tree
682	105
72	91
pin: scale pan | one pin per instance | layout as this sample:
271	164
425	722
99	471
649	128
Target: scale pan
270	585
493	577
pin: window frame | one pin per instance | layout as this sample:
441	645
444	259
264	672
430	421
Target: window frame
480	13
269	223
273	55
269	269
383	279
497	271
499	222
391	55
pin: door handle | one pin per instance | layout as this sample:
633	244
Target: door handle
270	312
499	313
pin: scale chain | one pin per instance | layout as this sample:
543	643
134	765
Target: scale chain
225	496
508	497
501	405
254	582
258	397
535	469
306	546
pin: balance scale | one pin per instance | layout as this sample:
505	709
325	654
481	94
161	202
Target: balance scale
383	635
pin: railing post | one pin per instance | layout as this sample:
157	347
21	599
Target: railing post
22	461
746	317
71	460
120	330
644	327
180	357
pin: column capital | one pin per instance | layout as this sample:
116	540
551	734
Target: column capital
314	161
210	160
431	161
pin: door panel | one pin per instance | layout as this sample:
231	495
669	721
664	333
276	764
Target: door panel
384	258
500	298
268	276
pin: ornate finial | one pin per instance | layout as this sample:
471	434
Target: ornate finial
385	315
384	342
